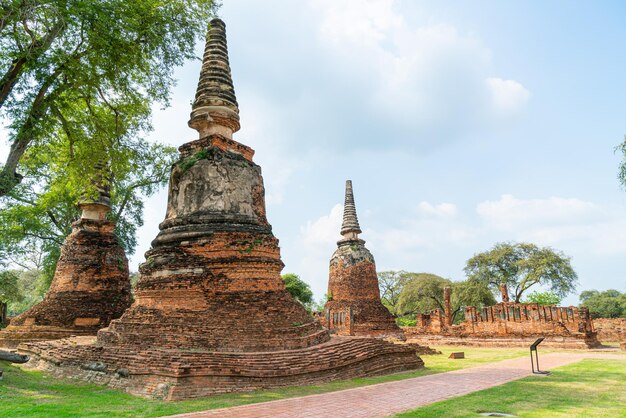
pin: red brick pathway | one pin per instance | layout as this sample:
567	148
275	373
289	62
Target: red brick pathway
386	399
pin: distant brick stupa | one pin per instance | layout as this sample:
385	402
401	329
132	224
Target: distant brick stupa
211	313
90	287
354	306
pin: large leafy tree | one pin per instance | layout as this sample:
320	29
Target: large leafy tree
391	284
77	82
607	304
521	266
76	65
37	214
424	292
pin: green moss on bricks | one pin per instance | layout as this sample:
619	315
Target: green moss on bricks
186	163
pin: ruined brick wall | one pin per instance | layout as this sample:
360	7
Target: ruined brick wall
508	322
430	323
527	319
610	329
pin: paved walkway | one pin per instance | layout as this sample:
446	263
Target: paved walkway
386	399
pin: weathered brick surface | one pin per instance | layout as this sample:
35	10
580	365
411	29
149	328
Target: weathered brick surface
211	313
174	374
610	329
509	324
354	306
90	288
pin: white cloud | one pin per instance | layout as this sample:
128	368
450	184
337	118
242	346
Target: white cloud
446	210
508	96
569	224
429	83
510	213
325	229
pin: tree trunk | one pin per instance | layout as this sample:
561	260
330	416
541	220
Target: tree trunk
3	313
13	357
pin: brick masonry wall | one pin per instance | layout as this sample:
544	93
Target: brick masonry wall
91	287
610	329
355	308
565	326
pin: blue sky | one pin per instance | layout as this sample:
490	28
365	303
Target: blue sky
461	124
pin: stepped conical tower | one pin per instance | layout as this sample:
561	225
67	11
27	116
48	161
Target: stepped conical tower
90	285
354	306
211	312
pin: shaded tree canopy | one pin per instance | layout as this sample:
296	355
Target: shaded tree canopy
299	289
521	266
424	292
607	304
75	66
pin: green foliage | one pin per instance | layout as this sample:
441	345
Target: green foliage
607	304
299	289
37	214
391	284
424	292
521	266
189	162
543	298
405	322
421	294
30	284
9	287
90	70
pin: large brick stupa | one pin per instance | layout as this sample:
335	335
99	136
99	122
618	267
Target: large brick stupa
211	313
354	306
90	287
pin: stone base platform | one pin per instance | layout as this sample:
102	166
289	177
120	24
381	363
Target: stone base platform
183	374
12	336
505	341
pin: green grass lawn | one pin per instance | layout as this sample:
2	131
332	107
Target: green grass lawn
33	394
590	388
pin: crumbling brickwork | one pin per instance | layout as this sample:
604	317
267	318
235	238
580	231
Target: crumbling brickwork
211	313
509	324
354	306
610	329
90	288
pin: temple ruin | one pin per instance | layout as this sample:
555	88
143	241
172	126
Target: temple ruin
508	324
90	287
211	313
354	306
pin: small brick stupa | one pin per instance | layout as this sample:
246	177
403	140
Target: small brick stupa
90	285
354	306
212	314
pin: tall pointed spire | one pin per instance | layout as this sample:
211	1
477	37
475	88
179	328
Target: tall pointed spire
215	109
350	227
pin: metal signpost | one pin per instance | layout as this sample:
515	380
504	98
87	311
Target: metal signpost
533	347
